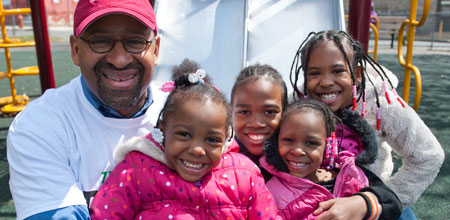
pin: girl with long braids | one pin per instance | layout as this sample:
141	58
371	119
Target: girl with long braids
337	71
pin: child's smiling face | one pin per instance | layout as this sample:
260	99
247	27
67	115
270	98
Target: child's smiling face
194	135
257	107
301	142
328	76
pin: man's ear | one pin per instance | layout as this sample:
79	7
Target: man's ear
357	75
156	51
75	50
160	125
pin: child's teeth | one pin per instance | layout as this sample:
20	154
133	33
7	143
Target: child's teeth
297	165
191	165
328	96
256	137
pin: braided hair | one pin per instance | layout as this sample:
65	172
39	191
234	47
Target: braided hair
311	105
258	71
185	90
354	56
271	148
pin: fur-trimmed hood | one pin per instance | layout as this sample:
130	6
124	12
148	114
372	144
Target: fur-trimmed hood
358	124
143	145
351	120
149	147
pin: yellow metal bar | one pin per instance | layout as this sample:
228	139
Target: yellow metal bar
2	23
409	49
17	103
375	46
10	77
407	63
401	59
16	11
418	86
426	8
26	71
375	29
3	75
18	44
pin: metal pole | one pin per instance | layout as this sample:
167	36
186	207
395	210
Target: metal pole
409	49
359	21
44	55
68	11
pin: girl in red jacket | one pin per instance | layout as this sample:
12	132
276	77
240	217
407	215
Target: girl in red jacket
187	171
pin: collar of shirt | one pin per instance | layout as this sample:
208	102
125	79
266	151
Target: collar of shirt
109	112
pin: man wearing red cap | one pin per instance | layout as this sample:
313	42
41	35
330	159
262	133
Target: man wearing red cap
60	147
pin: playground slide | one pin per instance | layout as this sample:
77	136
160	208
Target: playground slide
225	36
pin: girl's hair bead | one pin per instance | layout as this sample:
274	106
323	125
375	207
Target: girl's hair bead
398	98
363	109
378	119
354	98
386	93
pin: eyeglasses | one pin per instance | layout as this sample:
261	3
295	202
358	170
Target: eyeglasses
104	45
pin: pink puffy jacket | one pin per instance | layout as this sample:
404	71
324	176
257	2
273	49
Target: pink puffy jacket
142	186
297	198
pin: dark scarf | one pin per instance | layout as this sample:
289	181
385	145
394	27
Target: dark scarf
255	158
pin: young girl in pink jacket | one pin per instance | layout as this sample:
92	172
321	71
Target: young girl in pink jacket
187	171
311	165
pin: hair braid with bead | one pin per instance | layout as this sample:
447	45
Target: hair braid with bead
354	57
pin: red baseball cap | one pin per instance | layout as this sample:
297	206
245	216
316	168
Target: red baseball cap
87	11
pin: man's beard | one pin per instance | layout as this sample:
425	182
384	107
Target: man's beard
116	99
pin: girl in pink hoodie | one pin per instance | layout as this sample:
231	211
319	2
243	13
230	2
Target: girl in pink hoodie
189	170
310	166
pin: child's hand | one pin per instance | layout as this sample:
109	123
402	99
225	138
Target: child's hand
350	208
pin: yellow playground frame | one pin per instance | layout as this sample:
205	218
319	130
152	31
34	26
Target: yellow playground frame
14	103
412	23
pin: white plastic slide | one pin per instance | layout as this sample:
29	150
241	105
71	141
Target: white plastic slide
225	36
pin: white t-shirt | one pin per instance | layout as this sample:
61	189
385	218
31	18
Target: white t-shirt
60	146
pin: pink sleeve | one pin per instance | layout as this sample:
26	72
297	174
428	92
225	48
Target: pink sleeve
118	197
262	205
302	208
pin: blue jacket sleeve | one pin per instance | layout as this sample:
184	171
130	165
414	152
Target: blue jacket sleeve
76	212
